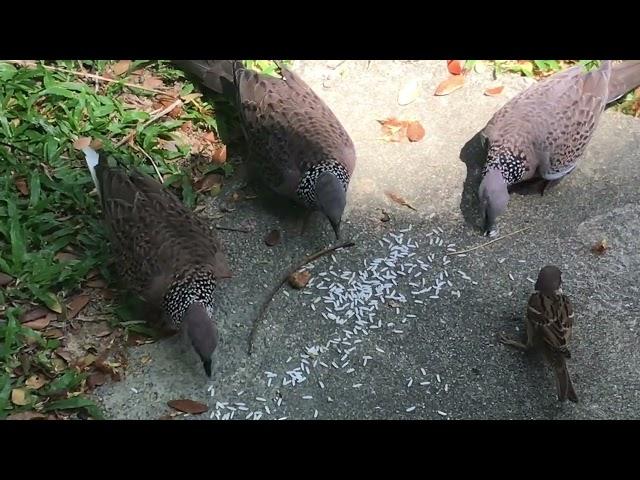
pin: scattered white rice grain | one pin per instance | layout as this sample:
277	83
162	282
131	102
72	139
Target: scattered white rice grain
285	293
261	399
397	331
410	315
134	390
410	382
379	349
282	418
351	370
438	378
357	385
419	301
244	409
425	383
511	277
307	397
410	409
441	413
446	387
315	414
321	384
423	371
329	399
288	360
279	402
266	409
531	280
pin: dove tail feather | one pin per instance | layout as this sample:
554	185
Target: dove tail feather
625	76
93	159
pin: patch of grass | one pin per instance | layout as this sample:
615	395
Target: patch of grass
51	235
629	104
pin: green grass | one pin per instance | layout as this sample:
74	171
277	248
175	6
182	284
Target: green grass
46	205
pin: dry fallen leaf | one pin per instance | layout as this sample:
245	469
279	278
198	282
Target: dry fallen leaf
299	279
190	97
64	355
220	155
188	406
82	142
76	304
601	247
96	379
409	92
454	67
152	82
272	238
35	382
5	279
54	333
96	283
121	67
19	397
451	84
40	323
494	91
65	257
37	312
394	130
29	415
21	185
210	182
415	132
399	200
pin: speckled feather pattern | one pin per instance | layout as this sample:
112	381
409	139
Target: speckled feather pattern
165	254
544	130
551	316
292	134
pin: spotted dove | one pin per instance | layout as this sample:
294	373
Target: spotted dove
538	137
165	254
549	328
297	145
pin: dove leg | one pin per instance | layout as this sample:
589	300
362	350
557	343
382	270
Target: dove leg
506	340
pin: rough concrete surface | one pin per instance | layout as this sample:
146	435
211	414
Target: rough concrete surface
453	339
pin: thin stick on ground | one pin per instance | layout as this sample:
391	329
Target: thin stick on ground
155	117
489	242
232	229
155	167
87	75
274	290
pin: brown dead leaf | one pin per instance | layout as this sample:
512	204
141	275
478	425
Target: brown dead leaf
299	279
96	283
82	142
19	397
220	155
33	314
103	333
76	304
494	91
272	238
394	130
85	361
5	279
399	200
152	82
40	323
121	67
96	379
35	382
29	415
188	406
21	185
187	126
600	248
54	333
58	364
210	182
190	97
454	67
415	132
64	354
451	84
65	257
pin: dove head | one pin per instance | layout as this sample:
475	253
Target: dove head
202	332
331	199
494	197
549	279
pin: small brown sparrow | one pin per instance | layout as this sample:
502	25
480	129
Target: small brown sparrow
549	324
